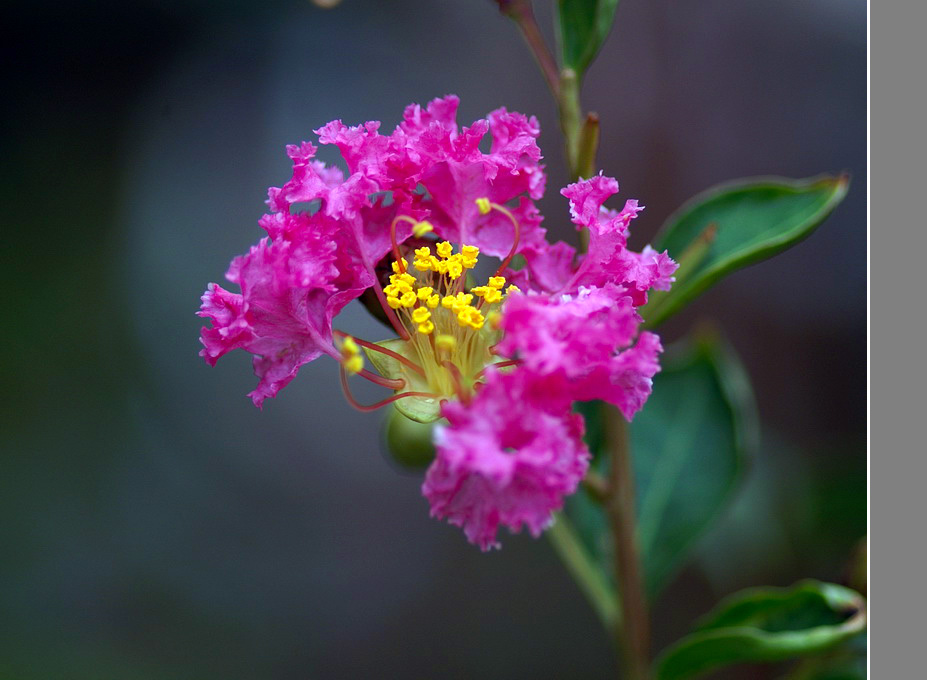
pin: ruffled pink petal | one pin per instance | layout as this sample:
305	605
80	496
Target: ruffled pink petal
549	268
568	334
283	313
626	380
499	465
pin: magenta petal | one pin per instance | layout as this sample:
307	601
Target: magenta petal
498	465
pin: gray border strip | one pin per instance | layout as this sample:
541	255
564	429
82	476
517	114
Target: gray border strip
898	243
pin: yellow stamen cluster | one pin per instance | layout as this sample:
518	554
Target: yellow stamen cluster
451	329
445	269
351	357
447	263
467	315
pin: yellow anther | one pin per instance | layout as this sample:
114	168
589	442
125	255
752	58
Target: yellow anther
496	282
454	267
480	291
484	205
396	265
495	320
448	301
349	347
464	298
433	301
440	266
393	302
492	296
403	278
422	265
407	299
468	256
470	316
424	252
390	290
512	289
446	343
426	328
425	292
421	315
353	364
419	229
445	249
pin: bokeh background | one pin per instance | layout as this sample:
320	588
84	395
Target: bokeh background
154	524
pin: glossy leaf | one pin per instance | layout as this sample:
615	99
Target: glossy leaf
583	26
689	445
752	219
765	625
844	662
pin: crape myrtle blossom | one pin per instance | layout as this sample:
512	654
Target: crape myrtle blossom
499	363
313	263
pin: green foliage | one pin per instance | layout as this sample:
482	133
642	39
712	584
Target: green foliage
845	662
689	447
752	220
767	624
583	26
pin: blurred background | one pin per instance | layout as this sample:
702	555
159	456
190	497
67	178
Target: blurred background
156	525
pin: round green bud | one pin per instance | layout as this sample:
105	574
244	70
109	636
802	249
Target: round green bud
409	442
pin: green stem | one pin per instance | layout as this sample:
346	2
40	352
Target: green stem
522	14
587	575
633	636
570	118
585	162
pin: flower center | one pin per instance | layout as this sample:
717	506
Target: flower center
451	328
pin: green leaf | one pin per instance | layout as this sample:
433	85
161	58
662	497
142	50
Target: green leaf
844	662
754	220
419	409
767	624
583	27
689	445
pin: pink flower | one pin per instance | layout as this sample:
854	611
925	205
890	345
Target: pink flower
328	232
499	465
512	448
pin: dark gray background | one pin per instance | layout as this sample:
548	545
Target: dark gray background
157	525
